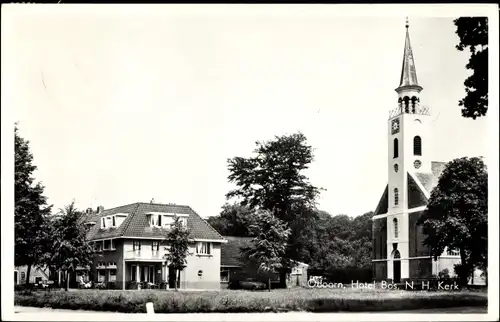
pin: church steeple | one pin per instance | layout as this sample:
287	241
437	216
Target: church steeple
408	72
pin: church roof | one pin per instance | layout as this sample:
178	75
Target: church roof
417	196
408	70
383	204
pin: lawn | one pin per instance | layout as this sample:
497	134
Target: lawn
311	300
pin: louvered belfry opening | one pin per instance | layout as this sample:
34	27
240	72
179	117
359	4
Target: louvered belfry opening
417	145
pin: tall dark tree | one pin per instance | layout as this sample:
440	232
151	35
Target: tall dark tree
473	34
273	180
234	220
69	247
178	240
457	214
269	244
30	208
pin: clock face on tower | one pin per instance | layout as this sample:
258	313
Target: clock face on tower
417	164
395	126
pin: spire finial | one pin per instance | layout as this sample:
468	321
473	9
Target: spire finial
407	23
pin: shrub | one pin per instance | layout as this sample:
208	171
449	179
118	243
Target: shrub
445	273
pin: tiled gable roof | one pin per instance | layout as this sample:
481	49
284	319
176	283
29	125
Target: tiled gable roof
428	180
231	251
416	197
383	204
437	168
136	223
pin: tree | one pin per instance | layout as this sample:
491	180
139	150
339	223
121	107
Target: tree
273	180
473	34
234	220
457	215
269	244
30	208
68	248
178	240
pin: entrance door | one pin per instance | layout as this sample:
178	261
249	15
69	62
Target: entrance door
397	271
144	273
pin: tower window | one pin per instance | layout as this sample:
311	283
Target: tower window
396	148
396	196
395	224
417	145
406	100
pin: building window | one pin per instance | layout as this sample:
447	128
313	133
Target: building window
155	220
203	248
155	246
224	275
395	223
107	244
98	246
168	221
113	244
396	148
137	245
101	275
396	196
103	222
114	221
417	145
112	275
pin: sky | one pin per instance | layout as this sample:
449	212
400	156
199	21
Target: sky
122	107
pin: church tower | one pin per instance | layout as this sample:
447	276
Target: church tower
408	144
398	249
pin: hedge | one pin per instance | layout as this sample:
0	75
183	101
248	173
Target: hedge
311	300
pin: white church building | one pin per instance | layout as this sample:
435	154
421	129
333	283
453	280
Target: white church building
398	250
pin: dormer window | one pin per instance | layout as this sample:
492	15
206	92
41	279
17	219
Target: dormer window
112	221
155	220
165	220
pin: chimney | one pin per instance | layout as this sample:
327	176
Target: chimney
89	211
152	200
100	209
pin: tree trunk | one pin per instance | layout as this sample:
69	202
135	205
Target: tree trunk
282	278
463	273
28	272
66	287
176	279
269	285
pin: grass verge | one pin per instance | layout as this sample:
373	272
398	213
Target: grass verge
226	301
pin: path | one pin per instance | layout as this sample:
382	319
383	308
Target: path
456	310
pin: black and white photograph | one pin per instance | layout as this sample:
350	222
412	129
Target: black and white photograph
249	162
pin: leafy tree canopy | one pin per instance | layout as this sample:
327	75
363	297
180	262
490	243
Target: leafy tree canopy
178	240
30	207
68	247
457	213
473	34
234	220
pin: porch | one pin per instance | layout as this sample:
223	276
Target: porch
149	275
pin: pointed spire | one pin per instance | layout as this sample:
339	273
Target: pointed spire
408	71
